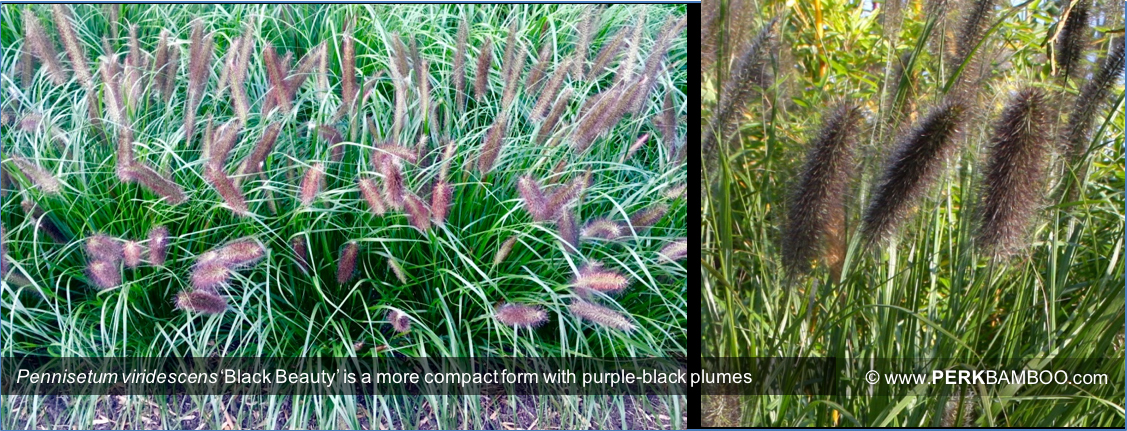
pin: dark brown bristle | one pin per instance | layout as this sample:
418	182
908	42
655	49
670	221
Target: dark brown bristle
460	68
819	194
491	148
77	55
227	190
481	77
1073	38
1012	188
41	45
301	253
913	167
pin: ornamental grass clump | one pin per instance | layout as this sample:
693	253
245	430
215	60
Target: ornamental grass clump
220	194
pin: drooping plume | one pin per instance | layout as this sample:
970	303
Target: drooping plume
398	270
158	184
491	148
1012	188
674	251
749	73
817	201
503	252
603	228
399	320
346	265
417	212
593	276
40	178
441	198
202	302
600	315
158	245
132	252
311	183
913	167
481	79
372	195
568	231
43	222
301	253
533	197
227	190
646	218
521	315
104	275
104	247
1095	93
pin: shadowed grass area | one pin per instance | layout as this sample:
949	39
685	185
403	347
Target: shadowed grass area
441	275
927	291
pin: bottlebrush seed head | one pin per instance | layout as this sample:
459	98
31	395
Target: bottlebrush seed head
600	315
372	195
1015	174
201	302
441	198
648	217
39	177
521	315
817	201
227	190
481	79
311	184
595	277
3	253
674	251
346	266
569	232
104	248
417	212
74	51
534	200
301	252
104	275
210	277
491	149
155	182
913	167
36	39
242	253
398	270
399	320
158	245
1073	38
503	252
603	228
132	252
392	185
